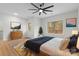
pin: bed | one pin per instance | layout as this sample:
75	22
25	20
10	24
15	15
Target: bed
53	47
34	44
49	47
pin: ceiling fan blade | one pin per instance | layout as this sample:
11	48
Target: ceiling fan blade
44	12
32	9
48	7
35	11
39	13
34	5
48	10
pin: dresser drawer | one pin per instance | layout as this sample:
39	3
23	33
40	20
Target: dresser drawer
16	35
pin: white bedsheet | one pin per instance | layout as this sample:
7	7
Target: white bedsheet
51	47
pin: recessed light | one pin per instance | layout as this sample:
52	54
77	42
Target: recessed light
15	14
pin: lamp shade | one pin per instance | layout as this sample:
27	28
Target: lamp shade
74	32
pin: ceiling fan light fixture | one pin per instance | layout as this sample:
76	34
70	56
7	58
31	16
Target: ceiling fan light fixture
40	10
16	14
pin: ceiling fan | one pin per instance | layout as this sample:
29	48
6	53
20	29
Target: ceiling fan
40	9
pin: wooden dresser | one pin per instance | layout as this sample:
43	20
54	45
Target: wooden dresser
16	35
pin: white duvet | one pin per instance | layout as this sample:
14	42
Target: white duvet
51	47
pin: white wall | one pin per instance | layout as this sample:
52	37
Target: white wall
35	24
63	17
1	31
6	19
78	19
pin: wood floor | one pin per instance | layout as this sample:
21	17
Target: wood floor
6	49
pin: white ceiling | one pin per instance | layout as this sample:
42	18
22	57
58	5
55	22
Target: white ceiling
22	9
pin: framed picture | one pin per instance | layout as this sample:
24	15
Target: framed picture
50	27
15	25
71	22
55	27
29	26
58	29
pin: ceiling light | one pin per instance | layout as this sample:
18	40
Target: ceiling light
40	10
74	32
15	14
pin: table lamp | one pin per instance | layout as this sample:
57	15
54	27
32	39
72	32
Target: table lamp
74	32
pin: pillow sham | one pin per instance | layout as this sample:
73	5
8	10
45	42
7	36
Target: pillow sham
64	44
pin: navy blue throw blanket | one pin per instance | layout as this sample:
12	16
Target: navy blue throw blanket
34	44
72	44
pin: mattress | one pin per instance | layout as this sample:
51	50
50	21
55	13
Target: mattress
51	47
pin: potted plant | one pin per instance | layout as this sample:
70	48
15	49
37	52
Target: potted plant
40	31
